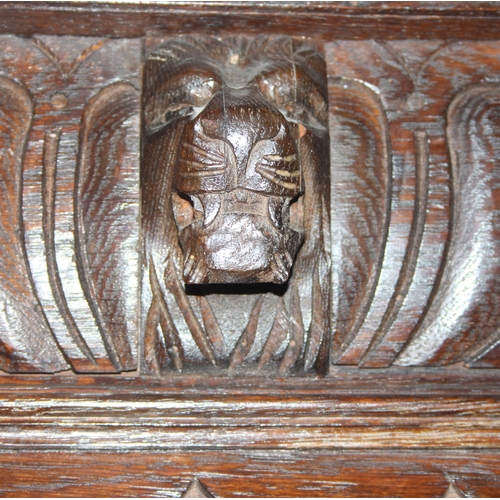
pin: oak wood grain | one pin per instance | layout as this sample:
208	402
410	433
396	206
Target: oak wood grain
61	76
329	21
253	473
411	409
395	202
417	85
20	308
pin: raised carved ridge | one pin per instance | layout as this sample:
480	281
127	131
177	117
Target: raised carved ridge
51	145
431	237
361	193
387	341
102	250
196	489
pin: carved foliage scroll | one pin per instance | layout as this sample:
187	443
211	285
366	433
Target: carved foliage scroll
104	246
430	297
464	312
71	176
361	193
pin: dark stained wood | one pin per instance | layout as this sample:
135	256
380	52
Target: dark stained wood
341	380
21	318
235	189
328	21
358	433
395	205
411	313
379	380
139	414
106	234
75	195
474	138
361	173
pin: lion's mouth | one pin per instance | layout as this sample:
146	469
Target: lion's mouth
238	248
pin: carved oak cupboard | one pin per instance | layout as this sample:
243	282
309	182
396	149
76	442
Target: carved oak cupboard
250	250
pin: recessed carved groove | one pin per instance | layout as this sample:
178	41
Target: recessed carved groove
277	335
175	287
65	71
486	356
319	324
153	351
51	145
212	327
295	346
245	342
383	349
159	316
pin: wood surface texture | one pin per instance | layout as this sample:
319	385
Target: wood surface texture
322	20
411	409
71	225
368	368
267	473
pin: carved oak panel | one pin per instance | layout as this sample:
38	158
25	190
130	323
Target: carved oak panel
235	179
249	249
429	288
262	167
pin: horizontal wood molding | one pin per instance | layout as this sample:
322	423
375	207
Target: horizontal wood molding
329	21
415	409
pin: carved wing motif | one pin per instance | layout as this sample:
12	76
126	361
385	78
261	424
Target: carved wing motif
26	341
395	326
106	245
